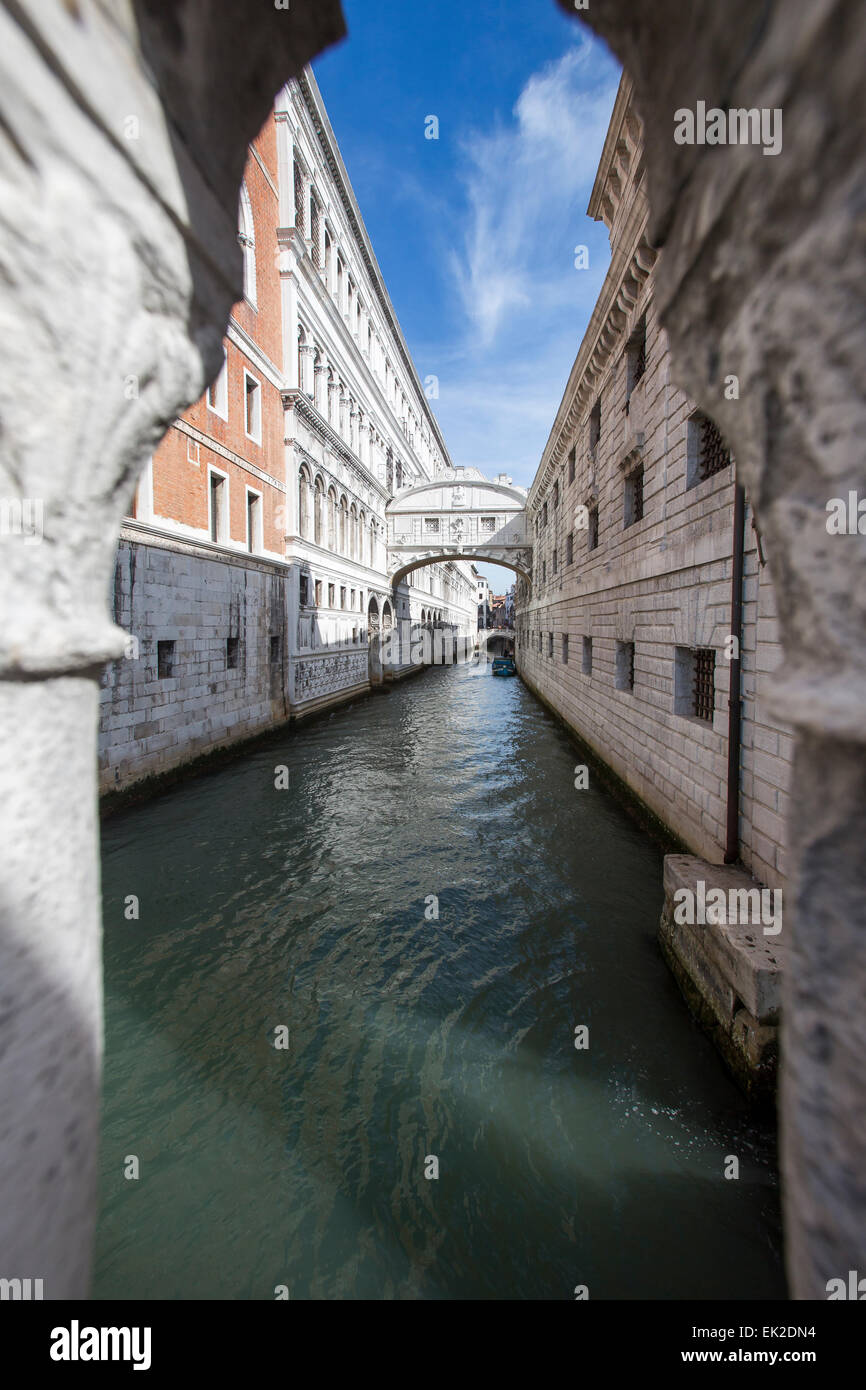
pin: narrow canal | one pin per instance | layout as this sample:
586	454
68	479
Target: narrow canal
411	1036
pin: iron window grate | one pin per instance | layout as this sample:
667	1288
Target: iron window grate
714	452
705	684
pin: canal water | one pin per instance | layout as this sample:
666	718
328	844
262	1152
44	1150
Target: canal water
411	1037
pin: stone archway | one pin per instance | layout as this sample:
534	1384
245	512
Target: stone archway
136	247
119	264
374	639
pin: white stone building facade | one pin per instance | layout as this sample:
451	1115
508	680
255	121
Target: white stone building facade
253	575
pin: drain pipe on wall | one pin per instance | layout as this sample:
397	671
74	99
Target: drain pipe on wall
732	837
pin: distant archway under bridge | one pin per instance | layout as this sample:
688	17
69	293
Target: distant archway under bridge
459	515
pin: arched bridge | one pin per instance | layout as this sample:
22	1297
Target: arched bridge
459	515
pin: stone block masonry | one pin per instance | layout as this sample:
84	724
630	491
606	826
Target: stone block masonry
729	972
202	670
626	628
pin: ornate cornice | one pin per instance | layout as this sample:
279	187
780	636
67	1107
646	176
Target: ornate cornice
327	142
294	399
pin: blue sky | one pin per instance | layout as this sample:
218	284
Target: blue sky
476	232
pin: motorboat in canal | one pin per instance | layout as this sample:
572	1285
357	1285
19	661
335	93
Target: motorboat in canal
504	666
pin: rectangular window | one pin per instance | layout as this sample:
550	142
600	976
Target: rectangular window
165	660
232	646
635	358
572	459
695	682
276	649
556	495
488	525
218	490
331	595
624	671
587	656
431	526
253	408
592	529
254	521
318	592
352	599
544	515
595	427
218	392
633	501
342	598
555	562
304	590
550	645
569	548
544	571
706	450
540	643
565	648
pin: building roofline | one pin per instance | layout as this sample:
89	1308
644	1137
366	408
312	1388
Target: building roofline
617	116
314	102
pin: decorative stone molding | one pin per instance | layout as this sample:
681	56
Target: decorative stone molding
125	136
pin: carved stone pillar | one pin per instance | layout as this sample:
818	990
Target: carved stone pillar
307	353
320	387
760	277
125	136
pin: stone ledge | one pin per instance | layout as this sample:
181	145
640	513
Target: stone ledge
729	973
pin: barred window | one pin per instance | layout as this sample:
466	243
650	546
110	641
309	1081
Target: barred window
165	660
587	656
595	426
624	671
488	525
704	699
635	357
695	682
569	548
572	458
565	648
592	529
706	450
431	526
633	505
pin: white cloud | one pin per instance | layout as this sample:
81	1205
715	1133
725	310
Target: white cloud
527	184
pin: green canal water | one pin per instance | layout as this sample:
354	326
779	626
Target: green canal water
411	1036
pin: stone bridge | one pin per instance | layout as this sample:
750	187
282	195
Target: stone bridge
460	515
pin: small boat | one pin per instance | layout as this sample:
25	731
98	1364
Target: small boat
504	666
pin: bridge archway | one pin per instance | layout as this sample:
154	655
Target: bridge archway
460	515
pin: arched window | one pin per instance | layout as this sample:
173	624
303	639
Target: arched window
305	488
362	536
353	533
319	511
372	543
332	519
344	523
247	239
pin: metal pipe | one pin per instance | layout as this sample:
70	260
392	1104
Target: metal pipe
732	837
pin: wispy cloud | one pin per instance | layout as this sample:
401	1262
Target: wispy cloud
525	182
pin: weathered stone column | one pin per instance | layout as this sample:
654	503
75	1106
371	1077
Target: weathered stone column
124	139
761	277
